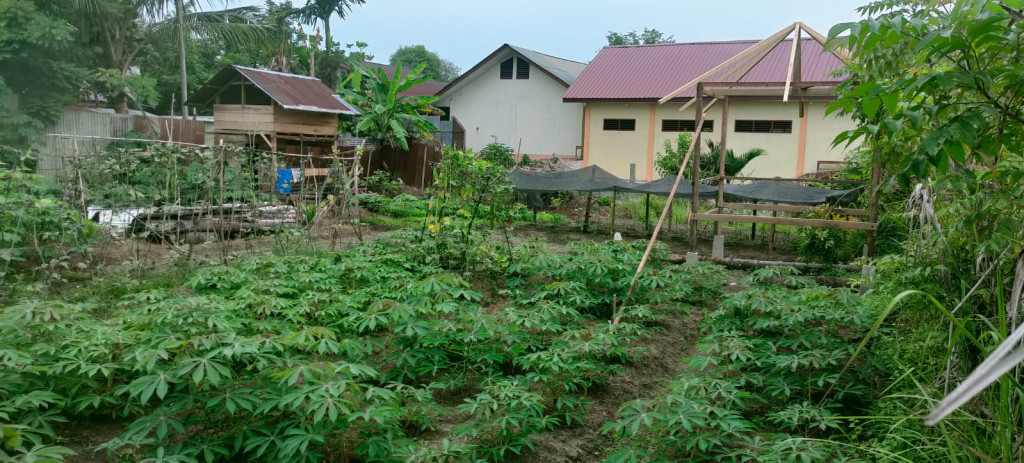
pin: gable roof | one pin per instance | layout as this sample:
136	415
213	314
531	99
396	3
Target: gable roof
290	91
562	70
428	88
649	72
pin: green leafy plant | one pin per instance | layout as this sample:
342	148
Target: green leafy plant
828	245
387	116
382	183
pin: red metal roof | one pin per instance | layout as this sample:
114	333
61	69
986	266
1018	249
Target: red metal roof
291	91
428	88
649	72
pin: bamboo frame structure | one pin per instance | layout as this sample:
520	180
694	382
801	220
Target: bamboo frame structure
746	61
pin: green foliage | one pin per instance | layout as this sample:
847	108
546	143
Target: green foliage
401	206
382	183
828	245
499	154
757	390
667	164
466	188
734	164
333	357
647	37
386	116
35	226
135	174
410	56
37	74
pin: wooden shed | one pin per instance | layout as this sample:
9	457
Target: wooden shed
272	110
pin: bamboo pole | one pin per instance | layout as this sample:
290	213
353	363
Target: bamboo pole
839	52
774	38
695	169
792	62
722	146
661	219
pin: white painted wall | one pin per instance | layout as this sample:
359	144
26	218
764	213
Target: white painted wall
615	151
511	110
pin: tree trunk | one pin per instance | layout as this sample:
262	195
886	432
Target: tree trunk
327	34
180	13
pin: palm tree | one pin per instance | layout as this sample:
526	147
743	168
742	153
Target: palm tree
121	28
733	164
323	10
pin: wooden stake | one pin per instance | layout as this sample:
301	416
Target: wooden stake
614	197
586	215
695	169
664	213
876	175
722	146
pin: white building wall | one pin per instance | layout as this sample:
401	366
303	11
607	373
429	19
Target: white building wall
615	151
516	110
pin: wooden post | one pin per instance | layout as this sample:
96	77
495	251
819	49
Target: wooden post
876	176
753	225
615	194
586	215
695	170
722	146
647	213
771	234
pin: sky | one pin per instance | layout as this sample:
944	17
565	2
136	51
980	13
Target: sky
466	31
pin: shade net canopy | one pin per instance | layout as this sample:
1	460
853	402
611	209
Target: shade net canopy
594	178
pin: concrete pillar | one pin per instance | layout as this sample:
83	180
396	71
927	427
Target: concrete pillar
867	272
691	258
718	247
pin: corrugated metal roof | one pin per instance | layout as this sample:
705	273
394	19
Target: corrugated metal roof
428	88
290	91
563	70
649	72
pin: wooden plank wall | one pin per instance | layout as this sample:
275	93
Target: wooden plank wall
304	122
248	119
414	167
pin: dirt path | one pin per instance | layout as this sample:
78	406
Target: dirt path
646	377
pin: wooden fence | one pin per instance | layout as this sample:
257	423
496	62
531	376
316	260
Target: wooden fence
81	130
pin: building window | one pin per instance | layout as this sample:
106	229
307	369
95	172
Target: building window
522	69
750	126
506	69
685	125
445	112
622	125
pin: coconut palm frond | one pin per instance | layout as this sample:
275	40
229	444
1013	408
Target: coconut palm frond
235	25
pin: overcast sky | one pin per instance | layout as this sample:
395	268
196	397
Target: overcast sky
466	31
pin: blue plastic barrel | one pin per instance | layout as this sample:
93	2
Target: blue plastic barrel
284	181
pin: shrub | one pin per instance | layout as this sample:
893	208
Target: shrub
668	162
499	154
34	225
382	183
828	245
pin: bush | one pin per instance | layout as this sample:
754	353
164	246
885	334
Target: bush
499	154
34	224
828	245
668	162
382	183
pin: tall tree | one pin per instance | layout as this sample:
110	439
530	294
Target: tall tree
647	37
410	56
323	10
37	77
